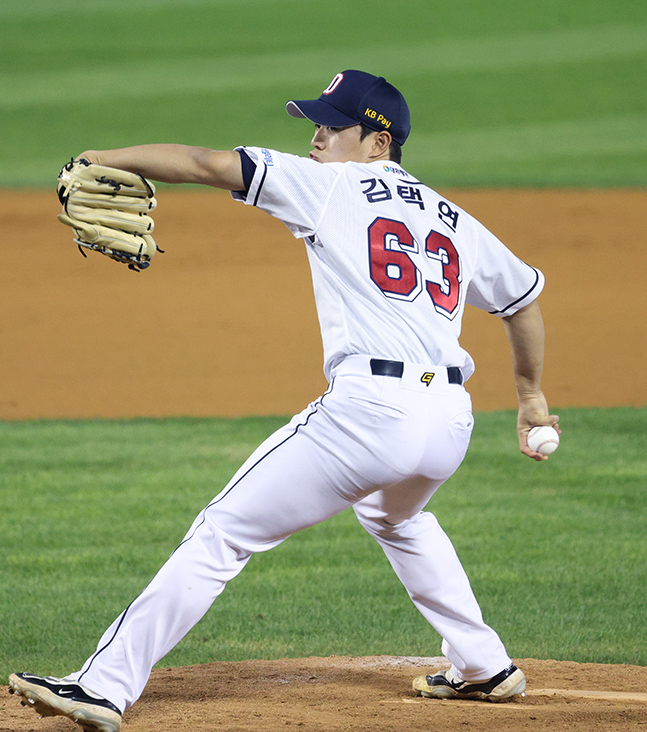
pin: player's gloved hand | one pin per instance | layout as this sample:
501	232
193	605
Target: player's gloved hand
108	209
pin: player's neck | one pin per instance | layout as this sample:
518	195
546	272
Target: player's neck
375	159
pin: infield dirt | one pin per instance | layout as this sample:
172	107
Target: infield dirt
224	324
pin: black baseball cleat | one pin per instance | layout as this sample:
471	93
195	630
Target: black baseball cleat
50	697
446	685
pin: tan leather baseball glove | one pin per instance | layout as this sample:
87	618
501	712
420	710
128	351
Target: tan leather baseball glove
109	211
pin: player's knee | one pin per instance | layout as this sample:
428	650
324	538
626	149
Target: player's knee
377	526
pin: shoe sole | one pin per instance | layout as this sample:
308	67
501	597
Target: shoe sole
91	718
515	684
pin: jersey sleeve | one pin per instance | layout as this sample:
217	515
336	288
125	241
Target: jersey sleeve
290	188
502	283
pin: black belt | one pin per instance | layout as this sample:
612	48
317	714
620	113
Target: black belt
396	368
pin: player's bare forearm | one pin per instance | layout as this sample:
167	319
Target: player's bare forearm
171	163
525	333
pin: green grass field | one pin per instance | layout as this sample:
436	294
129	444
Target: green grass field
502	93
90	510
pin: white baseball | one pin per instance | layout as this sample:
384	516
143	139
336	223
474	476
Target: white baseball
544	440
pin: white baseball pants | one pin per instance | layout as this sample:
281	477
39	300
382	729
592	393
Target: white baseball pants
381	444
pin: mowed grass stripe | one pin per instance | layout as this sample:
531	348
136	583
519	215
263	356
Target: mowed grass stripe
37	8
249	72
607	134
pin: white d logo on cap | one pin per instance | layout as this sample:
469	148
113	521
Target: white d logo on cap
333	84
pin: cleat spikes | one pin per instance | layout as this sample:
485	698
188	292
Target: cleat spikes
446	685
49	696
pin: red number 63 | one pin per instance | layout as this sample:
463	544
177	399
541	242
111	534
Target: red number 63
396	274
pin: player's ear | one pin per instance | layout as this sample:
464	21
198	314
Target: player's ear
381	144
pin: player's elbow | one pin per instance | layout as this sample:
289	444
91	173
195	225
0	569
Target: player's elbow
219	168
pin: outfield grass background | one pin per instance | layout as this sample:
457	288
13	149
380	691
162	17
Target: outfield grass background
503	93
508	92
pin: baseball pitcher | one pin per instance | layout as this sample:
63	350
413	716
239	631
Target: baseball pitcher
393	265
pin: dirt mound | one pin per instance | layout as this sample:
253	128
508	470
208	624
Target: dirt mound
371	694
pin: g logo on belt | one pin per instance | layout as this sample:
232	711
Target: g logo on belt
427	377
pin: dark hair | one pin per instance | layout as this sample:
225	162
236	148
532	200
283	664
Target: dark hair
395	149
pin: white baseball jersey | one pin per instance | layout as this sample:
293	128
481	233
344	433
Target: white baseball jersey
387	251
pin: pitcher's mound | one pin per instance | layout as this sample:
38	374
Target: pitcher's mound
369	694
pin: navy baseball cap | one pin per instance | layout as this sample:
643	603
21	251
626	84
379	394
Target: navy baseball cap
353	97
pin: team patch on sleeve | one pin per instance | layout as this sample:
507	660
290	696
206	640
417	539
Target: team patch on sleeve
270	160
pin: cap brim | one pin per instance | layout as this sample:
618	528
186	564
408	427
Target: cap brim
319	112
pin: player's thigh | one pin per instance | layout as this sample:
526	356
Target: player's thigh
328	457
283	493
297	478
